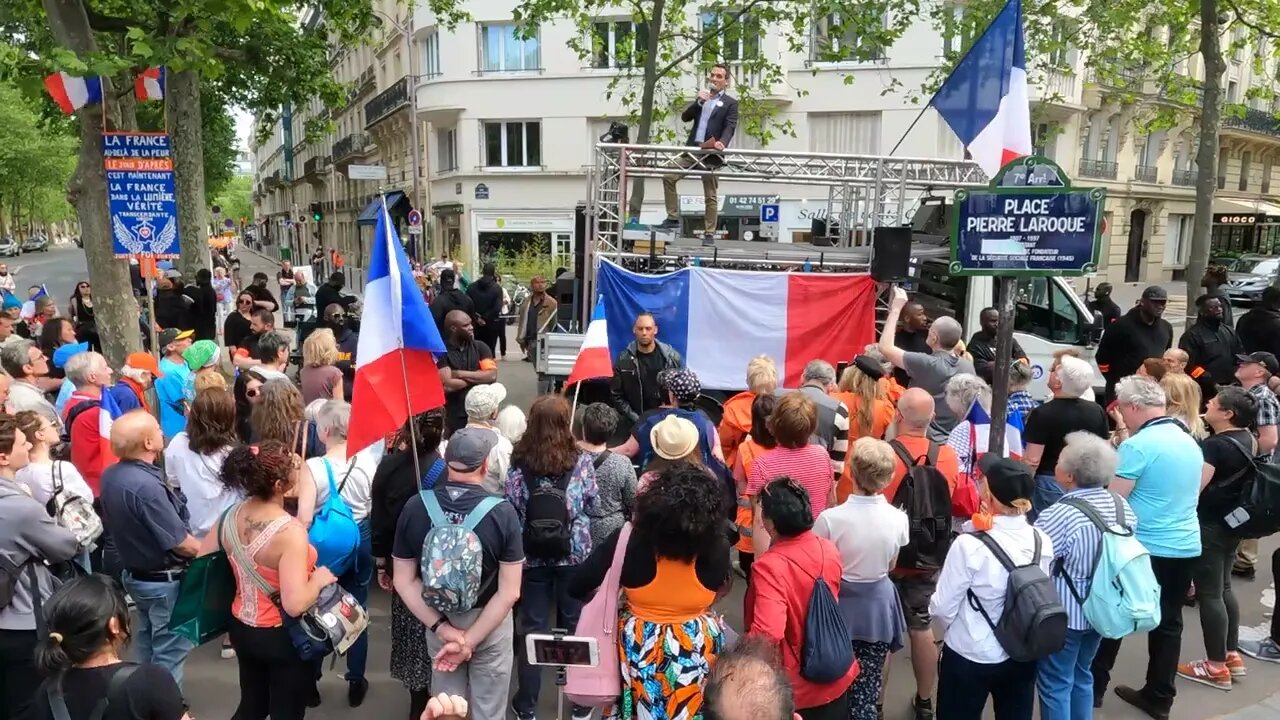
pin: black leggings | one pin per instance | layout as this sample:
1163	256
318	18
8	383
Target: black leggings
19	677
274	681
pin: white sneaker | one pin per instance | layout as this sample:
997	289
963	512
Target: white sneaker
228	652
582	714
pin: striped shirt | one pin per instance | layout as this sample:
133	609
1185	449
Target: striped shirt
833	426
1076	542
807	465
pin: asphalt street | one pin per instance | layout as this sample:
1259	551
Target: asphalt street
212	683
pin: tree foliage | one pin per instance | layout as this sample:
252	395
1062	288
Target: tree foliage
234	199
218	134
35	163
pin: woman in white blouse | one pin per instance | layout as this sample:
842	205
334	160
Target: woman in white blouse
193	460
43	474
974	666
354	480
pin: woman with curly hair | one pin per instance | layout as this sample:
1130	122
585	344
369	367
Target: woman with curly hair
274	681
397	481
675	563
548	456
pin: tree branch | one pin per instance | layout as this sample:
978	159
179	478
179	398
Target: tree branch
111	24
701	43
1240	18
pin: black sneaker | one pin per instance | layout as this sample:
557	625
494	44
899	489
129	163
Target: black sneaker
1140	701
1266	651
668	224
356	690
923	707
314	700
1244	573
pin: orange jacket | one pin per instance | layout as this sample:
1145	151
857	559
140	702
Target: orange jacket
735	424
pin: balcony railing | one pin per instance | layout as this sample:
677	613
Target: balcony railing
1145	173
1061	85
314	165
1185	178
1247	118
1124	78
387	102
1105	169
353	143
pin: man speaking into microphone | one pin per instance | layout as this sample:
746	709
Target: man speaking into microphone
714	115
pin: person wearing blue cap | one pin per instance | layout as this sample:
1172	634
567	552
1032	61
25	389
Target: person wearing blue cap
60	358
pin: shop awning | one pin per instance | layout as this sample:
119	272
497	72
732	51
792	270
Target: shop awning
369	216
1224	206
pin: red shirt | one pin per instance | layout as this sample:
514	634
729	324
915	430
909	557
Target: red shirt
777	605
86	442
810	466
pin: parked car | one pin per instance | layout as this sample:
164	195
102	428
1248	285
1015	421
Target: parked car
35	243
9	247
1248	276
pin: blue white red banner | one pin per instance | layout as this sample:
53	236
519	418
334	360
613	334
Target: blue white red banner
140	194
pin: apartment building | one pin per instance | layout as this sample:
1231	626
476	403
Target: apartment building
507	127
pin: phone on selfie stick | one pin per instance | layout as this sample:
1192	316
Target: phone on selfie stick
561	650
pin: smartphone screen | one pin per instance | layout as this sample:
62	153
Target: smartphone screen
564	651
840	368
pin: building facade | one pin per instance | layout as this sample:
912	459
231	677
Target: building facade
507	127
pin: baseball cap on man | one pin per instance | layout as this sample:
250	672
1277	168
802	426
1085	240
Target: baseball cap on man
169	336
66	352
1155	292
1263	358
469	447
144	361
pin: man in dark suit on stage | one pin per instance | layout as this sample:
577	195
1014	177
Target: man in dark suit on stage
714	115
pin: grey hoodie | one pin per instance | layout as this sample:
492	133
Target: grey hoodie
30	535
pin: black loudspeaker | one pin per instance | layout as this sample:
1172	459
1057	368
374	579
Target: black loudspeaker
566	292
891	254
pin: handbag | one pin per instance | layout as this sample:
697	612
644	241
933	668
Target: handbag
332	624
202	611
601	685
73	512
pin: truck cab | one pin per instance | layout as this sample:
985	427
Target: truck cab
1049	316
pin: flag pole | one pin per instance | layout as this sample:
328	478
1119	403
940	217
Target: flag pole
404	367
573	412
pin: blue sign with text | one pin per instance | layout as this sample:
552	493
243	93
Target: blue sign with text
1027	232
140	194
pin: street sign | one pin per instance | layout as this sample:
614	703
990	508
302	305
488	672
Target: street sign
415	217
769	218
229	223
482	191
140	194
367	172
1036	225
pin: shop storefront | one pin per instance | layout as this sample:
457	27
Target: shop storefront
738	215
497	232
1240	233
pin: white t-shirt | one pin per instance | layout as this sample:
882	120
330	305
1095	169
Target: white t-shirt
198	476
868	532
38	477
356	491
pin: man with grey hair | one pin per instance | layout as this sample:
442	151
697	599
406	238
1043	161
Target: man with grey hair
90	375
1084	467
1159	473
818	381
748	683
1046	428
272	353
25	363
929	371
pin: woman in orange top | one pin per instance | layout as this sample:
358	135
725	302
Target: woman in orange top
674	565
870	411
757	443
273	679
735	423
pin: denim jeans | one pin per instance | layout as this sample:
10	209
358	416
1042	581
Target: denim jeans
356	581
1065	678
1046	493
152	639
540	588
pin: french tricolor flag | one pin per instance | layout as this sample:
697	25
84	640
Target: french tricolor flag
72	93
108	411
985	99
396	375
720	319
150	84
980	435
594	360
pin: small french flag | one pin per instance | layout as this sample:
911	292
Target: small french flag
108	413
594	360
150	84
72	93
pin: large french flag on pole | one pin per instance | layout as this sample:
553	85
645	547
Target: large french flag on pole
396	375
149	85
594	360
72	93
985	99
720	319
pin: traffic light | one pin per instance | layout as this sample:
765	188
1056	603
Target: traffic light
317	214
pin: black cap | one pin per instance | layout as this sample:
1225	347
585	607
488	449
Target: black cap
1155	292
1008	480
1263	358
869	366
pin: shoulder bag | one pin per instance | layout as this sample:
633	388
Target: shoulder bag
601	685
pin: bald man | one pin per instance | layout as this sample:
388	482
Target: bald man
467	362
748	683
1175	359
915	417
149	528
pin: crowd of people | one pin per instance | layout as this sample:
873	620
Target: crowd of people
858	509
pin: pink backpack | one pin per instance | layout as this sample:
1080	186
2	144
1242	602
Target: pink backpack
601	685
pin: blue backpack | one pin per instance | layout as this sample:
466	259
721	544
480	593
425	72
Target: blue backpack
1124	597
826	652
334	532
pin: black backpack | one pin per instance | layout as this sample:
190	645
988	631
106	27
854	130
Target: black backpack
926	499
62	451
547	527
1034	622
1257	514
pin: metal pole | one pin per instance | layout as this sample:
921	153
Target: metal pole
150	281
1004	359
407	32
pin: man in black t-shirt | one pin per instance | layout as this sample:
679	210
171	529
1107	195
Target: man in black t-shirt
466	362
1048	426
912	337
476	645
